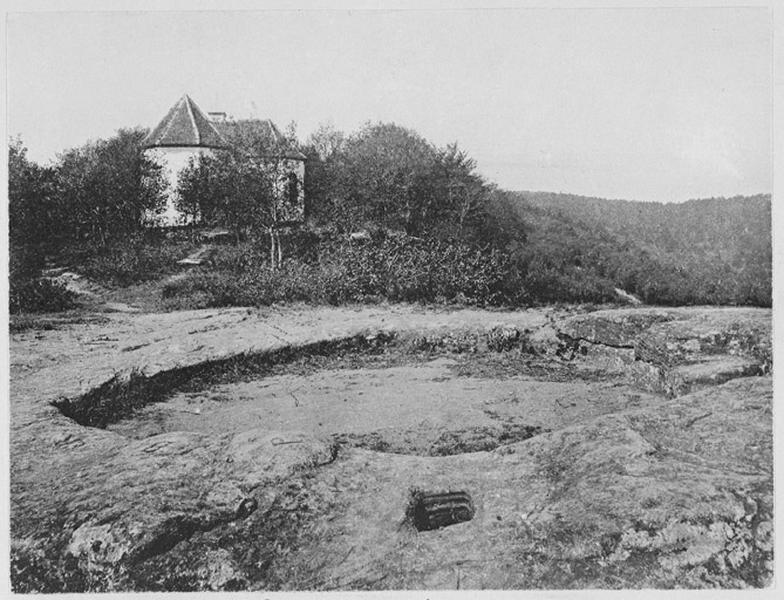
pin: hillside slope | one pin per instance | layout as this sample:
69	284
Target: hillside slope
710	251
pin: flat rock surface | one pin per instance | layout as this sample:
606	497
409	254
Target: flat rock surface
424	408
590	460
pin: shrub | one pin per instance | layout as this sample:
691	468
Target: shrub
28	292
548	284
394	269
25	261
35	570
39	295
200	289
241	257
134	260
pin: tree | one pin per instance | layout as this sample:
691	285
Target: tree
234	190
454	209
385	176
109	185
34	214
326	141
291	134
227	189
389	176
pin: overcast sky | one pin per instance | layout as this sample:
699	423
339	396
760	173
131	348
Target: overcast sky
666	104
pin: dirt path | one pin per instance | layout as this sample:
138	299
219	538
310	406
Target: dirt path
94	295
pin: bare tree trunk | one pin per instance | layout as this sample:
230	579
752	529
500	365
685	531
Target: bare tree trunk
272	247
280	248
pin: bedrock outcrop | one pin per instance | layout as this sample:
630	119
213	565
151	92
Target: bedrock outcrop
673	491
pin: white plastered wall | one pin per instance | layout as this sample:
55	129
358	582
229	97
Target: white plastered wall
173	160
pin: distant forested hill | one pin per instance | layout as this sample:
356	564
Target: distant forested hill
710	251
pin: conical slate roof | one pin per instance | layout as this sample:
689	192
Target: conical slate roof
185	125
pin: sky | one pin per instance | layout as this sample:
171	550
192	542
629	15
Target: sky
642	104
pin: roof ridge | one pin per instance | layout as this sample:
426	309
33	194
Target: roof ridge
170	114
188	101
185	125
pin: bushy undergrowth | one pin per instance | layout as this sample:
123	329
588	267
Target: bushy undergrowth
567	284
27	291
36	570
392	269
133	260
39	295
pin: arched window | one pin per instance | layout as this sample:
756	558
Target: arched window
292	191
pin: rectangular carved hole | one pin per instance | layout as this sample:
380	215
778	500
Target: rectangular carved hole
433	510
